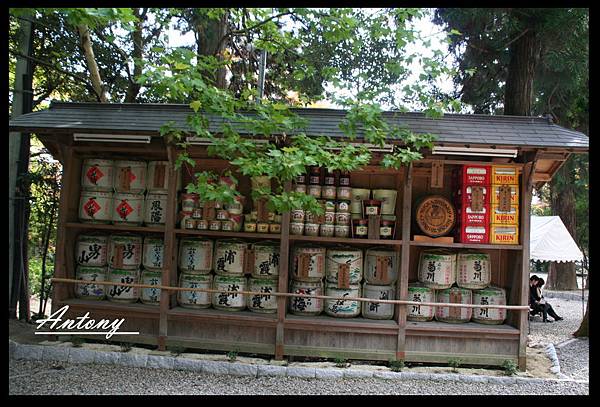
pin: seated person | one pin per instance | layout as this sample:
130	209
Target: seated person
538	303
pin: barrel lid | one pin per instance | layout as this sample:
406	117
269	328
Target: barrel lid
377	286
91	269
334	286
262	280
147	272
455	289
196	277
490	290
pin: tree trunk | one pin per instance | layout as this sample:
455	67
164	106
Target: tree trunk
583	330
524	56
86	44
209	41
563	276
138	47
46	243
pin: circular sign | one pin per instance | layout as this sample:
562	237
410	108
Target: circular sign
435	216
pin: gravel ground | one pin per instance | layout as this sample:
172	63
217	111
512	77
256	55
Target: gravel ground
50	378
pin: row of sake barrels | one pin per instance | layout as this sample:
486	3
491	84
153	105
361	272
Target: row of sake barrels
228	298
129	176
440	269
118	293
487	296
345	265
228	256
123	251
342	308
123	208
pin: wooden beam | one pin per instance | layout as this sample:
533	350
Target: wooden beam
284	254
541	177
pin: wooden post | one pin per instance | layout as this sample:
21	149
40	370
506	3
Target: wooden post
402	289
526	191
169	274
284	254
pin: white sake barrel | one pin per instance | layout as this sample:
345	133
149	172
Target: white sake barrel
344	260
121	293
437	269
266	259
266	302
153	253
151	295
388	200
95	207
128	209
229	257
158	177
342	308
473	270
228	297
381	266
309	263
378	310
418	292
97	175
306	305
90	291
155	209
130	176
195	255
359	195
489	296
454	295
91	250
195	299
125	251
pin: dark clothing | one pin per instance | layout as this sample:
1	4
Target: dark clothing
546	309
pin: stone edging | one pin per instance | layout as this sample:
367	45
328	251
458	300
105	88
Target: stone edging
76	355
574	296
551	352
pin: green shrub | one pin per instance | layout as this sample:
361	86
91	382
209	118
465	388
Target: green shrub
232	355
454	363
340	362
397	365
510	367
125	347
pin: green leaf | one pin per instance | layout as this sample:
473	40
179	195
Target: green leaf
196	104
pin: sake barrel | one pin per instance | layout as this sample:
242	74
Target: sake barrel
435	215
473	270
489	296
306	305
342	308
437	269
266	259
130	176
388	200
97	175
381	266
155	209
228	298
195	299
229	257
125	251
195	255
153	253
90	291
344	266
157	181
418	292
309	263
121	293
358	195
265	302
91	250
378	310
454	295
95	207
151	295
128	209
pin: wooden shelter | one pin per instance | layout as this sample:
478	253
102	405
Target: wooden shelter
540	147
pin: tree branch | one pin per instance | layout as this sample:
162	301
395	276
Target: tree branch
49	65
246	30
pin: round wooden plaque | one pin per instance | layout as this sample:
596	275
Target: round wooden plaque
435	215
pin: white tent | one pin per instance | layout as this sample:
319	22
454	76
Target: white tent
551	241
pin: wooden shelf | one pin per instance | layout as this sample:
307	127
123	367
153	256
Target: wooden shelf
241	235
328	323
245	317
322	239
119	228
437	328
124	308
469	245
